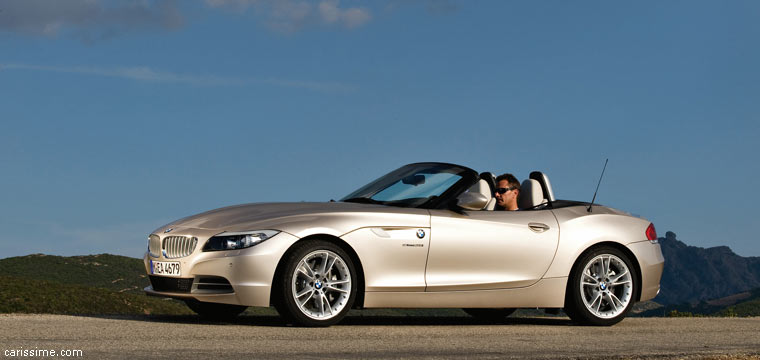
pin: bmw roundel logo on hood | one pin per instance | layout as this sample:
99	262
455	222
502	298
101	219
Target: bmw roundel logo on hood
168	230
420	233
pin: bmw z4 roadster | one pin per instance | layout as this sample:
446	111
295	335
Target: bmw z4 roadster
423	236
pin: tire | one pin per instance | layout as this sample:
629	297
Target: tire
215	311
601	288
317	285
489	314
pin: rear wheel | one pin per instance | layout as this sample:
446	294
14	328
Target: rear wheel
317	286
215	311
601	288
489	314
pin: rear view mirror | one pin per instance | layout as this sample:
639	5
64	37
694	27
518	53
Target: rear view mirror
472	201
414	180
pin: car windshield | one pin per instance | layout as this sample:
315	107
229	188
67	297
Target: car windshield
414	185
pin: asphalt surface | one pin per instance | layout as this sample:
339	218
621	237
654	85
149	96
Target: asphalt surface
187	337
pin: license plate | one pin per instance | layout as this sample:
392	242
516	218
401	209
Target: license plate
165	268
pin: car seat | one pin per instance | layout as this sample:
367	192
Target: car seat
531	196
491	181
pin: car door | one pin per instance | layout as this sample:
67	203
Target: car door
478	250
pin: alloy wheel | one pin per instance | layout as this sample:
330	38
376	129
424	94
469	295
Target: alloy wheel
321	284
606	286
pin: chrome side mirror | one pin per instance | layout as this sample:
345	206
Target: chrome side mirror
472	201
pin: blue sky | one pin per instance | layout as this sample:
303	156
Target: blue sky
118	117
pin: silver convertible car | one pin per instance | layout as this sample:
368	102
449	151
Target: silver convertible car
423	236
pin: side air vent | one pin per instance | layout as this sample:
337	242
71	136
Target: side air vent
212	284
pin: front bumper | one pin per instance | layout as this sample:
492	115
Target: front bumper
249	272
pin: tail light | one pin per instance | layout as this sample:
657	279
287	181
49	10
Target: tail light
651	233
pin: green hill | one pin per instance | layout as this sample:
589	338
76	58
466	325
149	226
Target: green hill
91	284
113	272
749	306
741	305
20	295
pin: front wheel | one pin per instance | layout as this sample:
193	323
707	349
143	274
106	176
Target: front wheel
601	288
317	286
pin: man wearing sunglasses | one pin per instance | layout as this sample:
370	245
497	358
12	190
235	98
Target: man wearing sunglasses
507	191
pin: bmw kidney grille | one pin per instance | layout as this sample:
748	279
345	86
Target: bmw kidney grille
179	246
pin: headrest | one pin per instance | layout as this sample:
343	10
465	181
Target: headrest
490	179
531	195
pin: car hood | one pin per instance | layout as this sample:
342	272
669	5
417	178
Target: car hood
245	216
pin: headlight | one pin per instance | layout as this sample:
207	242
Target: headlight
238	240
154	245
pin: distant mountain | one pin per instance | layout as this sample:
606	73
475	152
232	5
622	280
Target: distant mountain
693	274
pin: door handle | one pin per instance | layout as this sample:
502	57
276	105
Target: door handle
538	227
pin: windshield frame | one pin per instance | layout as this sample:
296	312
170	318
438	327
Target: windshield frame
467	177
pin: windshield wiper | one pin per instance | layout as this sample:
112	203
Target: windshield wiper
364	200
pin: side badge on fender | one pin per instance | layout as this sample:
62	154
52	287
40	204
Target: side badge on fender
420	233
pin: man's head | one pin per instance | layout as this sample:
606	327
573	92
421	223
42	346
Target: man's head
507	191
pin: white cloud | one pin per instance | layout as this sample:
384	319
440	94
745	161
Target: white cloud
133	73
90	20
94	20
150	75
353	17
294	15
329	11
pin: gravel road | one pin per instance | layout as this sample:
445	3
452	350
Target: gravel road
187	337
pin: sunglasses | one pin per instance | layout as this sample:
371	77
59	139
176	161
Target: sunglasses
503	190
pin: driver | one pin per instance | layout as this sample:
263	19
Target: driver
507	191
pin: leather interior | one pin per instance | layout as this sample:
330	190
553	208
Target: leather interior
491	204
531	195
491	181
